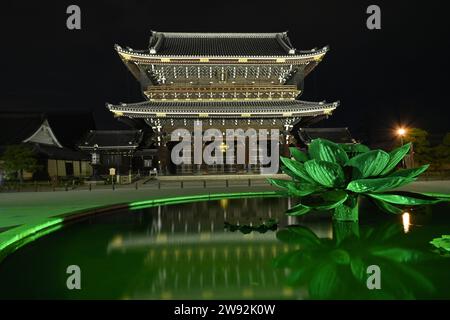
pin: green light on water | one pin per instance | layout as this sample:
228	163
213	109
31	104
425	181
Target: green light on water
15	238
27	234
204	197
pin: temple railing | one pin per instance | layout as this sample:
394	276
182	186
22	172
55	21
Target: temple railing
175	92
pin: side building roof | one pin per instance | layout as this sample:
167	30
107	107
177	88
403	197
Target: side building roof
51	134
338	135
111	139
67	126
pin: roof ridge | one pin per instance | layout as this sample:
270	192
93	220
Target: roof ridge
115	131
218	34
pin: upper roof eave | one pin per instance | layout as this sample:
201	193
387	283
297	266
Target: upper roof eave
130	54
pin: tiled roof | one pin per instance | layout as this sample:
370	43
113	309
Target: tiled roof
224	44
224	109
68	127
338	135
124	139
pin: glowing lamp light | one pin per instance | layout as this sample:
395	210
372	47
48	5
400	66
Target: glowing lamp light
406	220
223	203
223	147
401	131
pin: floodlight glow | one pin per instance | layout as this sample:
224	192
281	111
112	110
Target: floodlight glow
401	131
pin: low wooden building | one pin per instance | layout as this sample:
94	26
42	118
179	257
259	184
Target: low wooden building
53	138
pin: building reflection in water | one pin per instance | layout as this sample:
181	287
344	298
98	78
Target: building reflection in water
188	253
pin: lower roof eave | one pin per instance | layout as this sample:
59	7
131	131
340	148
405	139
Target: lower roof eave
221	115
229	109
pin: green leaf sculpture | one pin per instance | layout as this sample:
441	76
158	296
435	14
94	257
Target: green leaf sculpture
332	176
442	243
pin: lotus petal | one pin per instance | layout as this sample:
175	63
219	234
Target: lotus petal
298	155
334	196
377	184
325	150
325	200
297	168
285	184
298	210
324	281
330	206
442	242
325	173
442	196
386	207
358	268
410	173
369	163
397	254
355	148
295	189
395	156
287	171
298	234
404	199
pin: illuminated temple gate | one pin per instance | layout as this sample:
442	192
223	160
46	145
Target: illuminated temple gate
226	80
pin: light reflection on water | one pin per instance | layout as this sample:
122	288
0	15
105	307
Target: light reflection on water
183	252
406	220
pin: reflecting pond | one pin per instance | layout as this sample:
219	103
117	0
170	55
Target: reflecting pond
236	249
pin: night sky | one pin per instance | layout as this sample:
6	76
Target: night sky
383	78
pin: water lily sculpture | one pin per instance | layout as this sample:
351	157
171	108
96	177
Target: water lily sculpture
442	243
331	177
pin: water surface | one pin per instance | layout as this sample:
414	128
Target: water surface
184	252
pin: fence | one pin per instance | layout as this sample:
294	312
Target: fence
153	184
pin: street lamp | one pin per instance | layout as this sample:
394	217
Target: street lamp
401	132
95	163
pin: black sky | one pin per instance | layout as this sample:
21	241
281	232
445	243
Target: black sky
396	75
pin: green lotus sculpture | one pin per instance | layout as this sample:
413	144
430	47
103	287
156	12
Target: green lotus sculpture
333	176
442	243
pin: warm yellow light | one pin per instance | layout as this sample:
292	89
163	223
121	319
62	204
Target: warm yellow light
406	219
223	203
223	147
401	131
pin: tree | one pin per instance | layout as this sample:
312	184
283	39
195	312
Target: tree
441	152
421	145
437	156
19	158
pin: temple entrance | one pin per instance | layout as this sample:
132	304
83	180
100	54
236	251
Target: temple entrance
69	168
248	162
